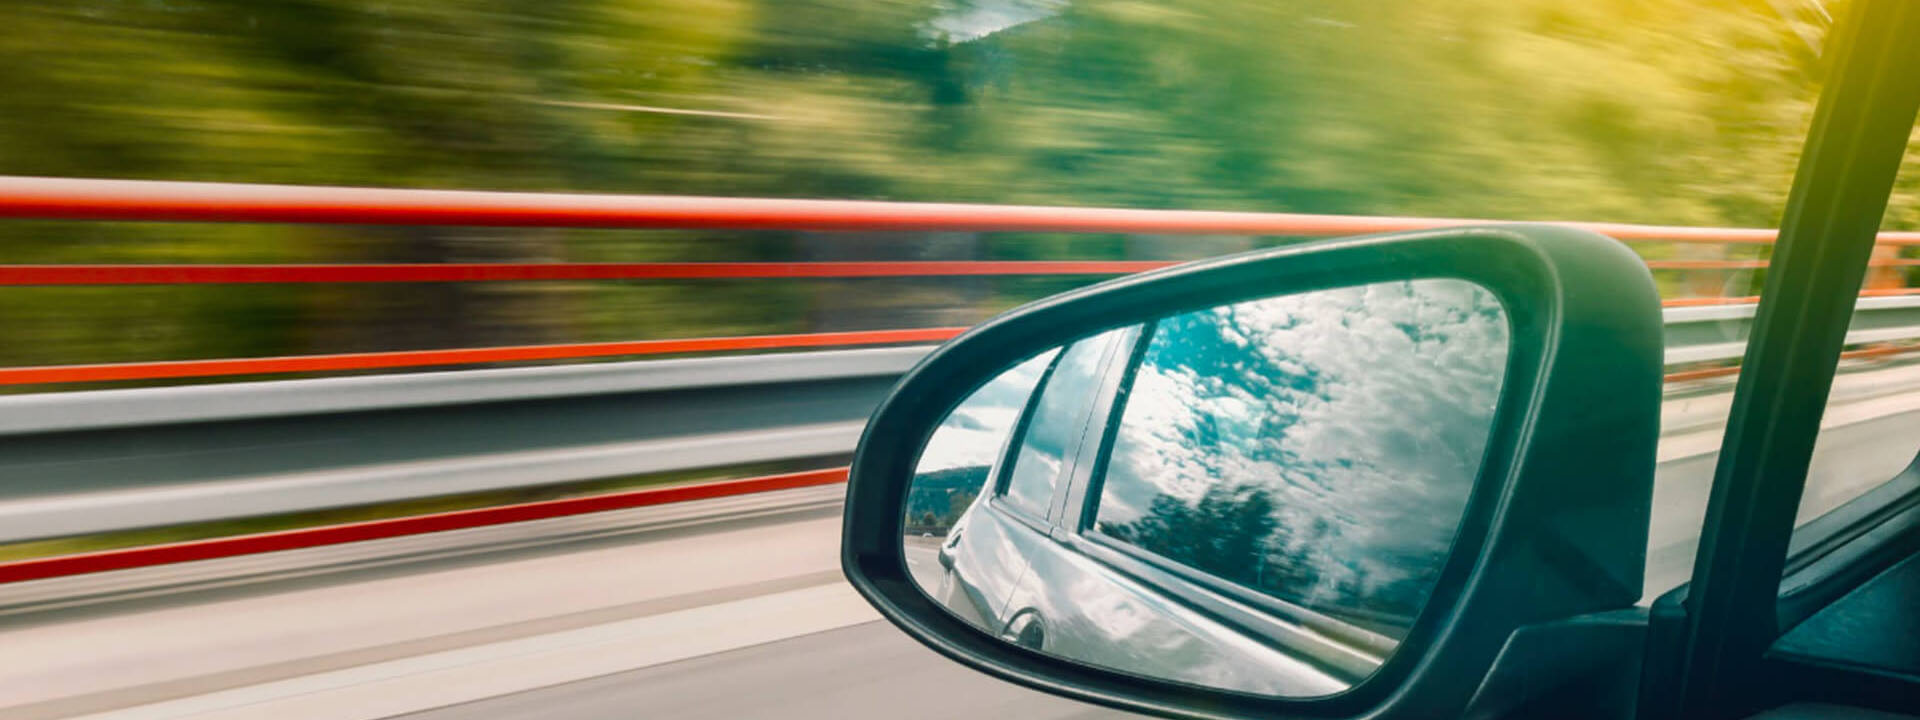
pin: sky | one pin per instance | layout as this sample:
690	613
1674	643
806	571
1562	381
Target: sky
1363	411
975	429
980	18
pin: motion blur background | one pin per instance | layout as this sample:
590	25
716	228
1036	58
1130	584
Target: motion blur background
1683	112
1677	112
1669	112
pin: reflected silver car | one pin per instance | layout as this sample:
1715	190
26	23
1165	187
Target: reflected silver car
1219	497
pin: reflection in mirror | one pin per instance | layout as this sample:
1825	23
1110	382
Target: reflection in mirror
1254	497
953	468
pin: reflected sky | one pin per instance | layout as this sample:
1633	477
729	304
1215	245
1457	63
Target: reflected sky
1323	444
953	467
972	433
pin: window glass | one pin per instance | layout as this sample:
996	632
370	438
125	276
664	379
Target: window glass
954	466
1871	428
1318	448
1058	422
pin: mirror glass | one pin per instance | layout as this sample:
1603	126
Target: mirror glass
1255	497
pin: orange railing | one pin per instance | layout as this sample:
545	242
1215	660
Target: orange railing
126	200
71	199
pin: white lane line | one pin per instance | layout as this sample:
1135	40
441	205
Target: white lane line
446	678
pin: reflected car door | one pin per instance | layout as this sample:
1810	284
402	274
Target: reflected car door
1102	604
990	549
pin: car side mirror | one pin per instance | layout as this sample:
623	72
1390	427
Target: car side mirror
1352	477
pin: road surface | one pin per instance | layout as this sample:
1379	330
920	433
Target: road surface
867	670
729	608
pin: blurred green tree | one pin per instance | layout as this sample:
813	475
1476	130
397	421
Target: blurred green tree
1664	111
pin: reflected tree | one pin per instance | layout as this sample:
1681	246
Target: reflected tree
938	498
1318	448
1231	533
1226	533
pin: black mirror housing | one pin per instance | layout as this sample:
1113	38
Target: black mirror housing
1555	527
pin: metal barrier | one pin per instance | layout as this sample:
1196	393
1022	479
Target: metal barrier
106	460
97	461
146	556
460	356
1708	333
86	199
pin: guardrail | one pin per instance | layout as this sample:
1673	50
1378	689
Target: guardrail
1708	333
120	200
97	461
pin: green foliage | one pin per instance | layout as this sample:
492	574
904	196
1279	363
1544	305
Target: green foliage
1663	111
938	499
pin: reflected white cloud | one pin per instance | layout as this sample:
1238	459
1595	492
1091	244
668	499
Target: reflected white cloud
1359	415
1318	448
973	432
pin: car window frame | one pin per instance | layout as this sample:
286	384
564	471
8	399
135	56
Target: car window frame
1045	522
1828	532
997	498
1708	639
1849	545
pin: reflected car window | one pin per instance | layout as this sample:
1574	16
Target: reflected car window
1059	419
953	468
1318	448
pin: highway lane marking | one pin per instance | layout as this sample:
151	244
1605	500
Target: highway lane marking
440	679
71	663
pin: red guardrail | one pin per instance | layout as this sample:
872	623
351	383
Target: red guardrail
211	274
123	200
497	272
464	356
124	558
87	199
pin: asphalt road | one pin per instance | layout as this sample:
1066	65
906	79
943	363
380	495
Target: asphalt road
1869	433
867	670
335	640
722	609
731	608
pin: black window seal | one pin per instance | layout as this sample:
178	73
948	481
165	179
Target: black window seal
1866	536
1089	507
1823	535
1115	373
